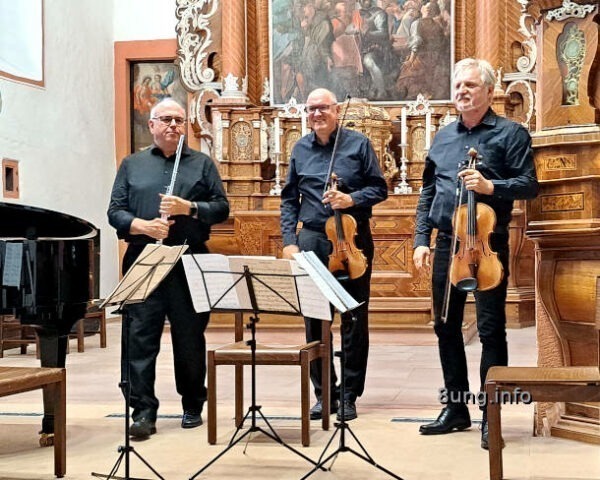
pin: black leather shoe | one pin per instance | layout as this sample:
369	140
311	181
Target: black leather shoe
349	411
191	419
316	412
142	428
449	420
484	436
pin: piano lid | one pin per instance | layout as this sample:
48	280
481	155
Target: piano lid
24	221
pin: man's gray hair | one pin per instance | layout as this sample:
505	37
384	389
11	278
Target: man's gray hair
324	91
165	101
488	76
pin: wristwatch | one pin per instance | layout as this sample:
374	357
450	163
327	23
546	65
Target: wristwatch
193	209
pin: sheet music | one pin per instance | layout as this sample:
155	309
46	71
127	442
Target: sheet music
13	261
326	282
279	285
151	266
209	277
314	302
273	284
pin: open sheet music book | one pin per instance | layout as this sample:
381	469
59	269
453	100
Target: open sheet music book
151	266
217	281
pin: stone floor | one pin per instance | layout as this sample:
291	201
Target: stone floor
401	392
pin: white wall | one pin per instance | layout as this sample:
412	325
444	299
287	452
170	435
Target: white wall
63	134
144	19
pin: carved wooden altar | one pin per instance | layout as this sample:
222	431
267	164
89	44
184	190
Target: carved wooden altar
564	221
224	58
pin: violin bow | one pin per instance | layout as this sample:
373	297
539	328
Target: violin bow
335	144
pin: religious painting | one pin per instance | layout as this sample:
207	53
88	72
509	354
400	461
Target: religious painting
386	51
151	82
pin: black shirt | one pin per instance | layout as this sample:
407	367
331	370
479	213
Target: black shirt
143	175
506	160
357	167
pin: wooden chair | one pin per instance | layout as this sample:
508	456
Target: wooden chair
13	334
239	354
541	384
94	323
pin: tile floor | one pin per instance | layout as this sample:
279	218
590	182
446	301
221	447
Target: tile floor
401	392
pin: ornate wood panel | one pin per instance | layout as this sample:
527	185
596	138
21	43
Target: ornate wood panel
564	221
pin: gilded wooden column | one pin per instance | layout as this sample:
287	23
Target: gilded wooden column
233	47
490	25
262	23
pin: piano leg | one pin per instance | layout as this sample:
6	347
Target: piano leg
53	353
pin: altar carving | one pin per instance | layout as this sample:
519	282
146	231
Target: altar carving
564	221
225	59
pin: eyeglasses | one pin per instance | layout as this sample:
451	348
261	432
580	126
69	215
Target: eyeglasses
167	120
312	109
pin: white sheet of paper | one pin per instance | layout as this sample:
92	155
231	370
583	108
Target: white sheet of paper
326	282
314	303
211	284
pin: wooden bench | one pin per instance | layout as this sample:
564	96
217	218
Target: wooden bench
540	384
53	381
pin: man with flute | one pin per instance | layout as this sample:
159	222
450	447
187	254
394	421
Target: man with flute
141	213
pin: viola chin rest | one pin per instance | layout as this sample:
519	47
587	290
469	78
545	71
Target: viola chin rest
468	284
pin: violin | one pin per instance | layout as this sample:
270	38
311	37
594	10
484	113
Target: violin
346	260
474	265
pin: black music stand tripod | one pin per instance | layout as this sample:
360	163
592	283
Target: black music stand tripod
139	282
342	426
254	410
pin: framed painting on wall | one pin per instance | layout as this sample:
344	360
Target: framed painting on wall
386	51
151	82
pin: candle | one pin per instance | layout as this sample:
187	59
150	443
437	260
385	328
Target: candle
403	127
427	130
303	120
277	145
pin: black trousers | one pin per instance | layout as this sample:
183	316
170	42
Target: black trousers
170	300
491	320
355	331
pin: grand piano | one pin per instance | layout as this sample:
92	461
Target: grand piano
49	276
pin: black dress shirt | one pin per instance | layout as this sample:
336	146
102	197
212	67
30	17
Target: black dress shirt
506	160
357	167
143	175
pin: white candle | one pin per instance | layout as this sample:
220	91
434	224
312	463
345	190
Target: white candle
303	120
277	145
403	126
427	130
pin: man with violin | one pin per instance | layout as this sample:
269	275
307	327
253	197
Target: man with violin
500	172
305	198
142	214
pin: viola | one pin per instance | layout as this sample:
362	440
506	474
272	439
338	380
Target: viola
346	260
474	265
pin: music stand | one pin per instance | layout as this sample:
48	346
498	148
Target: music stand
142	278
309	260
253	284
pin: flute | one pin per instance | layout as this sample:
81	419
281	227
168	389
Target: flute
171	186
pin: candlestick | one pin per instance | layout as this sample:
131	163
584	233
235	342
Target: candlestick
276	189
403	127
277	144
303	120
427	130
